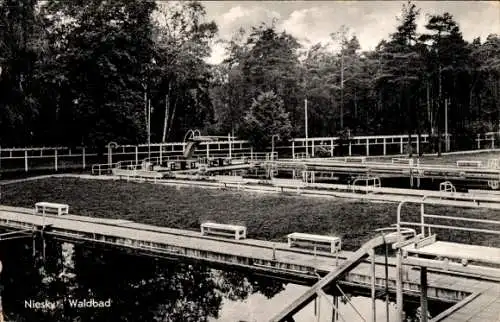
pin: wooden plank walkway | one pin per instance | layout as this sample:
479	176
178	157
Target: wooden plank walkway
441	286
485	307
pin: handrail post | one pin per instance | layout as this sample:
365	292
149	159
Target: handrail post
399	266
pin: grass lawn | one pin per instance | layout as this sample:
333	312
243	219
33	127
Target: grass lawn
268	217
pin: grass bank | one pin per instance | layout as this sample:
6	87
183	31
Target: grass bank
268	217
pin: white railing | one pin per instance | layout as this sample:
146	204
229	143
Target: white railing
103	168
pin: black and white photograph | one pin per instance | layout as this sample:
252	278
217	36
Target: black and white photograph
249	161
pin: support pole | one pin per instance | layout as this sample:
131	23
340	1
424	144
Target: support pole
399	285
334	311
373	278
293	149
386	282
136	154
423	294
385	146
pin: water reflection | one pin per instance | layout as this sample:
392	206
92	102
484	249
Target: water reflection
142	288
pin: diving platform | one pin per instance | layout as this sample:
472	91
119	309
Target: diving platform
467	253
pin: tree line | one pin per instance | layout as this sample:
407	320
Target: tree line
85	73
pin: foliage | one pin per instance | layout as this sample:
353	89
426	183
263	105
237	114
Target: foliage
266	118
74	72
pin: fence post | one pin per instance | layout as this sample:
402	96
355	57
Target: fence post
418	146
55	159
401	145
161	152
367	146
26	160
492	141
208	150
293	149
136	154
478	142
384	144
331	148
83	157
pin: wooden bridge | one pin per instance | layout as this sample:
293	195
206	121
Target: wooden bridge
456	284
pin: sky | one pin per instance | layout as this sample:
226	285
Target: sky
371	21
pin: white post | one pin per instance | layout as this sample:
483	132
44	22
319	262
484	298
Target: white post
149	129
83	157
350	148
401	145
208	150
110	155
136	154
26	160
312	147
229	139
447	142
293	149
306	129
385	147
55	159
331	147
367	146
418	146
161	151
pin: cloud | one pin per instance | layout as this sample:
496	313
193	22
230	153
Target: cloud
371	21
242	17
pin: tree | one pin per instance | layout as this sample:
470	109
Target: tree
19	52
266	117
403	68
182	41
447	57
101	53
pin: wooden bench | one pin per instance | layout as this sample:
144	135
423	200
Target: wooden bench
469	164
51	208
235	231
225	180
322	241
354	159
288	183
404	161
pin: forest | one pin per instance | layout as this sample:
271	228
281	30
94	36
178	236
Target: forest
85	73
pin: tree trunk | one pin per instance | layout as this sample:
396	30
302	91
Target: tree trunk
167	111
165	120
172	118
